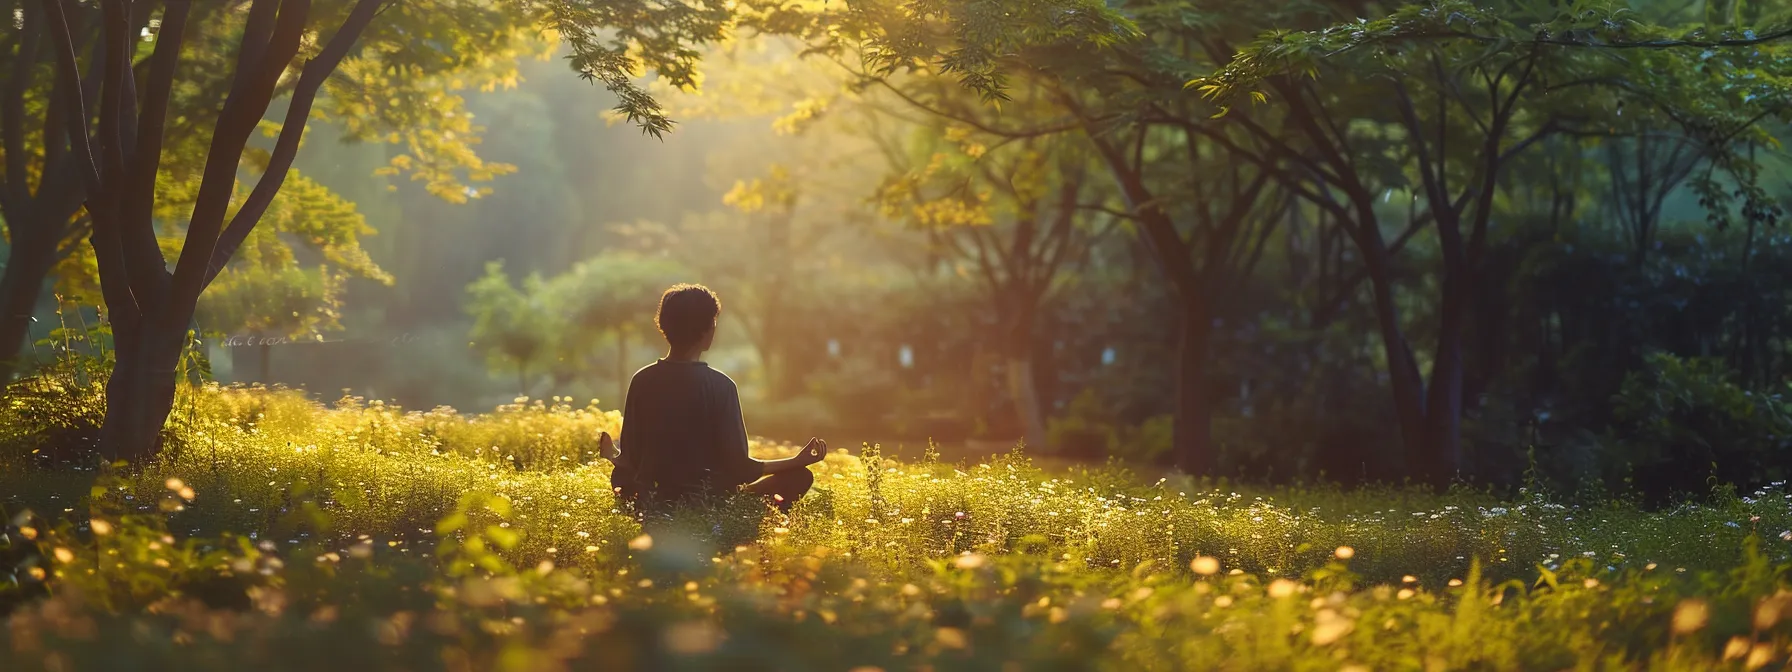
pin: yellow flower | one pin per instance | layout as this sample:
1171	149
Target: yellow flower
1759	656
1737	647
1205	565
1690	615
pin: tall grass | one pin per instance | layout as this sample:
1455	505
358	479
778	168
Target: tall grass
278	532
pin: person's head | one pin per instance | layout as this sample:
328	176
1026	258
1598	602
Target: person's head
687	317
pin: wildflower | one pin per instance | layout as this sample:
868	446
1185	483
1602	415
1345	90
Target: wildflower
1344	553
101	527
1455	582
641	543
969	561
1758	656
1690	615
1591	583
1329	626
1281	588
1204	565
1737	647
1767	613
952	638
64	555
1405	593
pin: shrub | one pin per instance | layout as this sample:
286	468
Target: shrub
1088	430
1681	423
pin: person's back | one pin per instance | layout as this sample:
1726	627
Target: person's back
682	425
682	432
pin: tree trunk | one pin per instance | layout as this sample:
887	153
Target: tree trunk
1443	405
1403	370
1025	393
1192	428
140	393
28	264
267	361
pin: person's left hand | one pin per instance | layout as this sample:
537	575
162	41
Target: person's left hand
814	452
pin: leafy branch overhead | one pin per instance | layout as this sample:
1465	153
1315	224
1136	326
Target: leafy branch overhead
1521	25
613	42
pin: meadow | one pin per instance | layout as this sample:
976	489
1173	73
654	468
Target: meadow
278	533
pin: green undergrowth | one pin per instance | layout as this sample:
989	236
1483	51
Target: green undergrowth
278	533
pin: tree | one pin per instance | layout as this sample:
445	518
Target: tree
516	327
118	154
614	294
1496	85
1203	214
1013	219
1432	99
376	96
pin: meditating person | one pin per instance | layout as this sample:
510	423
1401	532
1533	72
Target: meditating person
683	437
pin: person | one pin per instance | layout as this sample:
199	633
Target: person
683	436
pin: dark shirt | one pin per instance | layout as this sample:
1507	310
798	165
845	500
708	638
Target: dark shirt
682	433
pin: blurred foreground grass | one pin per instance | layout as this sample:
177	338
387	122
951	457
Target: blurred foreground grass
277	533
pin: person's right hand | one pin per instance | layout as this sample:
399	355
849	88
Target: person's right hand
606	447
815	451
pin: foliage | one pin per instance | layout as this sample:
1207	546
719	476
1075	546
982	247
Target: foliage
1680	422
515	327
1085	429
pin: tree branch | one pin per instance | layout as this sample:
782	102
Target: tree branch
68	73
247	101
12	120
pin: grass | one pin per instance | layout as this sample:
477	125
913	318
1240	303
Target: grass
278	533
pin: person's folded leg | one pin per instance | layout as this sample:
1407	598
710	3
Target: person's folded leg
784	488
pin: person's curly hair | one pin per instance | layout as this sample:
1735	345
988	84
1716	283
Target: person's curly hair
686	311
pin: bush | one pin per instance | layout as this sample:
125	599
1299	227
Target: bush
1087	430
1681	423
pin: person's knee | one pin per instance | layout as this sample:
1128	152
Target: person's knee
792	484
802	480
